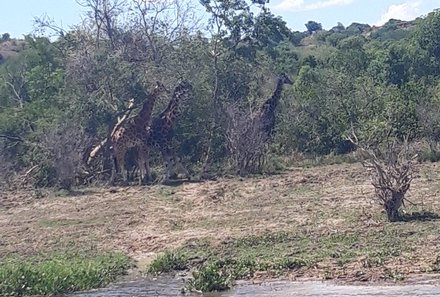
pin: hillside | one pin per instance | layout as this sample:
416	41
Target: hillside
11	48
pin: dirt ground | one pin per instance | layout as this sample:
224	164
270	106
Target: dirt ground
143	221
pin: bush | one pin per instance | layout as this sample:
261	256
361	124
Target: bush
429	155
168	262
246	142
391	165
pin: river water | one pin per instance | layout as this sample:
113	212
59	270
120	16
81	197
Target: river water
172	287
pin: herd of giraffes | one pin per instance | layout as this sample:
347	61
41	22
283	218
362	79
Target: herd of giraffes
142	133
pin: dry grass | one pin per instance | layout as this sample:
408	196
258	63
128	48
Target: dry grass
142	221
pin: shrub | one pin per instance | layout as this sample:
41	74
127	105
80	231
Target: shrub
168	262
391	165
246	141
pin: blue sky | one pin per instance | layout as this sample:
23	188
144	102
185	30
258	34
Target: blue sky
17	15
329	12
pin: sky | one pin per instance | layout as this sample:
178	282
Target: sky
17	16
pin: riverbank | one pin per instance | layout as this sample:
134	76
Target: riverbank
317	222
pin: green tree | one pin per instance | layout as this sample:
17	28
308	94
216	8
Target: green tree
313	26
6	37
427	34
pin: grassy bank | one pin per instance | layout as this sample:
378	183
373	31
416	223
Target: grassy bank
381	254
59	273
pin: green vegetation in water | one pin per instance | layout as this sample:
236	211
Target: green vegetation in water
168	262
59	274
211	277
219	275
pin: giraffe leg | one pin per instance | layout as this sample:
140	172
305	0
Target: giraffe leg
114	170
147	169
141	165
181	169
121	163
144	165
168	167
167	158
119	166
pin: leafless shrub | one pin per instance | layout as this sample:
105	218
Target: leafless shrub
66	145
391	167
246	141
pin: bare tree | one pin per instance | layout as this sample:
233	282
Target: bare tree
104	14
158	25
246	141
66	145
391	167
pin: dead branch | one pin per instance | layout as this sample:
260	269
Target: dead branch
103	143
12	138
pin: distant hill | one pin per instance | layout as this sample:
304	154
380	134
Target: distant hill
393	29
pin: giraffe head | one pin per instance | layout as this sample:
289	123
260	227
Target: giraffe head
182	92
284	79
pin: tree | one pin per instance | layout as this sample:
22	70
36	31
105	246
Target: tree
428	32
338	28
351	56
6	37
358	28
313	26
391	166
270	30
297	37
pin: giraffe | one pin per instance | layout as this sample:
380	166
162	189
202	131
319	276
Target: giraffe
161	129
134	133
267	112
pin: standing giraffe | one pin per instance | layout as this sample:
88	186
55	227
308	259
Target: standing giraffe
267	113
161	129
134	133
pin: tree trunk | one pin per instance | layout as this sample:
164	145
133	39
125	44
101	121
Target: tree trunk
393	205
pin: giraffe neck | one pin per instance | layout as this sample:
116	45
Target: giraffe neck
147	108
171	111
273	101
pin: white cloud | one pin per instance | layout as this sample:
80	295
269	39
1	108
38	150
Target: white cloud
406	11
300	5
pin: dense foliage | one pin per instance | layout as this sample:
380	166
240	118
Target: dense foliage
59	98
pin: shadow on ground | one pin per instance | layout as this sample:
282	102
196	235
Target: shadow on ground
419	216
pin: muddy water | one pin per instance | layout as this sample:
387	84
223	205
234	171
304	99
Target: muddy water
172	287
